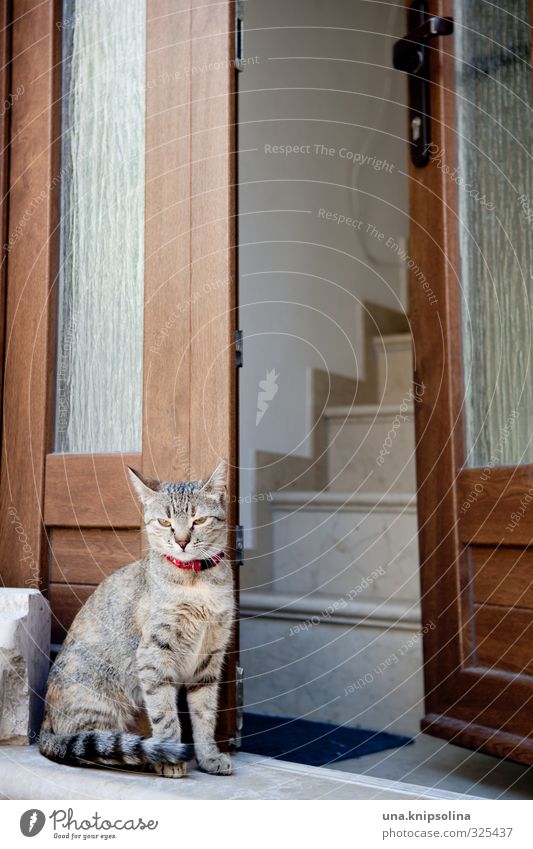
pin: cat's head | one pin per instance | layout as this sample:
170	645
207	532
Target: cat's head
185	520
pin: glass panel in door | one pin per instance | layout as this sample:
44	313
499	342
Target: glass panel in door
100	320
494	177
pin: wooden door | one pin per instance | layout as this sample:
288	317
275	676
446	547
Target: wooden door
470	247
147	99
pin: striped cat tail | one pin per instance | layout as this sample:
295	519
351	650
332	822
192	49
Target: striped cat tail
112	748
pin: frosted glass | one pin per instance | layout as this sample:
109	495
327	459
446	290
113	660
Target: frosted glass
495	186
100	320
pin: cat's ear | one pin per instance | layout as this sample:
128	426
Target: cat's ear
145	487
217	484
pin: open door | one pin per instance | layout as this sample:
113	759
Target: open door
471	252
121	294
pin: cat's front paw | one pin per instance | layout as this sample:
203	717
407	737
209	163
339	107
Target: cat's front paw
219	764
171	770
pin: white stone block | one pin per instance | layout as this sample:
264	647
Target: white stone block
24	663
394	360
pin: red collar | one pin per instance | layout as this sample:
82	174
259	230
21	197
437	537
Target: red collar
196	565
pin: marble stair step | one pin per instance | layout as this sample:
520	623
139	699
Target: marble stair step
371	448
342	544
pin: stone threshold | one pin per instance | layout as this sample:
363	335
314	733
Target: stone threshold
26	774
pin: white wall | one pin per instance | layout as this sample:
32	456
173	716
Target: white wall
302	277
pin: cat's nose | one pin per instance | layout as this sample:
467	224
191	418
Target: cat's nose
183	542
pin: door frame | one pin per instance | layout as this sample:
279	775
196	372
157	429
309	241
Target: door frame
8	97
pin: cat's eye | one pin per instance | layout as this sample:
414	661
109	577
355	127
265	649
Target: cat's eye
164	522
201	520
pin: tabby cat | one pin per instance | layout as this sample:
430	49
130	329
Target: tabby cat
149	629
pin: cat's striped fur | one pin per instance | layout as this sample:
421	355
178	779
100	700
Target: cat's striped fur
147	630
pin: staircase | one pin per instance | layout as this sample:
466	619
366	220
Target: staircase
331	624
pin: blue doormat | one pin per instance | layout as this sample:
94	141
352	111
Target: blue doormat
315	743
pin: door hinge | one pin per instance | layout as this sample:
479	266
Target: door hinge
238	348
239	545
236	741
239	35
239	704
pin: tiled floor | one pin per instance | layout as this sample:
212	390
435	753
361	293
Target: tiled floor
430	762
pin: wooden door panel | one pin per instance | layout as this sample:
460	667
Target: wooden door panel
472	735
493	505
502	576
475	527
93	519
77	512
503	638
91	491
496	700
166	432
213	239
79	556
65	601
30	298
8	95
213	317
490	709
439	442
